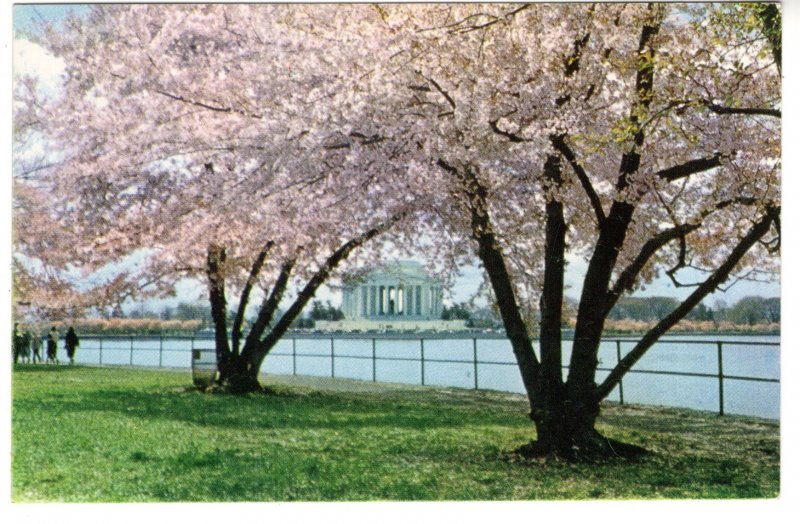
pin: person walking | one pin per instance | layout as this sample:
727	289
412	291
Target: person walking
36	347
52	346
72	342
16	342
25	348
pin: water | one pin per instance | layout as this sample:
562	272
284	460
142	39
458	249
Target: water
450	362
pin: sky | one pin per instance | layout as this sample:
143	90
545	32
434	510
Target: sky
29	58
25	16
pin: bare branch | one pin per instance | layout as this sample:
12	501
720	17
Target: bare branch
724	110
628	276
454	27
690	167
236	328
510	136
718	277
560	144
219	109
261	349
444	93
269	306
494	263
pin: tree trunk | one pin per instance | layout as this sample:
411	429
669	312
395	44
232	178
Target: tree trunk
234	373
238	371
239	376
566	429
547	408
564	424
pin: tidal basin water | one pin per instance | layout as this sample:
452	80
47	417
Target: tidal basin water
487	362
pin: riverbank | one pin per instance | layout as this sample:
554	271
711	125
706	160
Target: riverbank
83	434
690	328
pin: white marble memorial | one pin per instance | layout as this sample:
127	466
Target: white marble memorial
398	295
398	291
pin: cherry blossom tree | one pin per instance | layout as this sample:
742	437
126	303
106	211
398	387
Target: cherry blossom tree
644	138
208	141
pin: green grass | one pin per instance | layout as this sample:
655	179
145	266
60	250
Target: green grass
105	435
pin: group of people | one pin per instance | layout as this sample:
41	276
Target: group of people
27	346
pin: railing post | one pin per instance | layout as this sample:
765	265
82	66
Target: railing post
475	360
101	351
131	363
191	351
422	359
333	361
619	358
160	350
721	379
373	360
294	355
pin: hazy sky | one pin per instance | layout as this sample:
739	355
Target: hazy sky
31	59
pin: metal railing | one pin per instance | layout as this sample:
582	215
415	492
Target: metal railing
720	376
129	350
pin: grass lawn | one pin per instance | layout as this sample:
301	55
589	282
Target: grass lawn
85	434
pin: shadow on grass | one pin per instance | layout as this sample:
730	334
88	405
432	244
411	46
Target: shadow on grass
45	368
665	420
282	410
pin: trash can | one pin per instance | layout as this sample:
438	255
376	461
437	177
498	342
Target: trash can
204	367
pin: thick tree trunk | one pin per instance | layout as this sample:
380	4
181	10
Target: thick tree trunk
569	433
237	376
493	260
215	271
547	408
233	369
564	424
583	404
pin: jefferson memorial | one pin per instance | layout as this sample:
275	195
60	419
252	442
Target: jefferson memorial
398	295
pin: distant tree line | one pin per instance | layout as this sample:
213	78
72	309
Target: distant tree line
461	311
202	314
750	311
320	311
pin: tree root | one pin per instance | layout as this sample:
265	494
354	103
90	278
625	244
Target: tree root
234	385
593	447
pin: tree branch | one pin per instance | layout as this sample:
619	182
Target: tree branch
572	62
560	144
724	110
444	93
628	276
236	329
552	297
308	291
690	167
493	261
597	279
495	19
218	109
268	307
719	276
510	136
645	80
